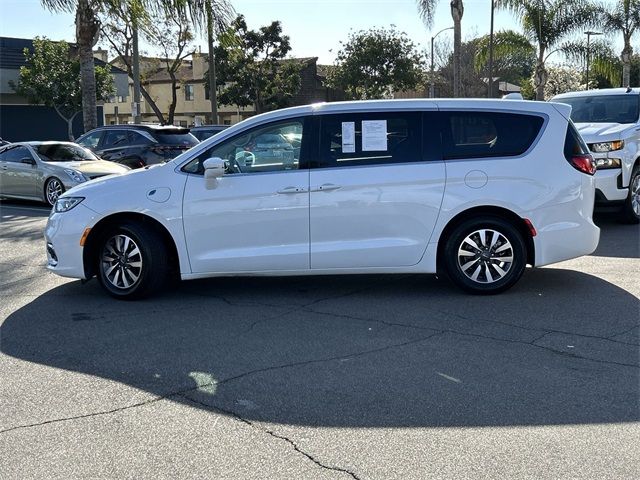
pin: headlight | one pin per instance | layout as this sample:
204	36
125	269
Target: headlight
67	203
607	146
604	163
75	175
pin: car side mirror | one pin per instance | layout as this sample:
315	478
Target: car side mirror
213	169
28	161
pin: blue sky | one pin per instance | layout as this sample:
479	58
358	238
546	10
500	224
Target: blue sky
315	26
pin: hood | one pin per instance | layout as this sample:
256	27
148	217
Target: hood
92	168
138	178
601	132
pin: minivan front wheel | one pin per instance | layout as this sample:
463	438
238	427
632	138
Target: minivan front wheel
132	261
485	255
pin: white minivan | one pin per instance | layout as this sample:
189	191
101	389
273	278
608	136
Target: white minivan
471	188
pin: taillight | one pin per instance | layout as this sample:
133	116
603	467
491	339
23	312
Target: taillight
584	163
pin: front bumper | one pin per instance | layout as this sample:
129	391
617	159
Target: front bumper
609	184
62	238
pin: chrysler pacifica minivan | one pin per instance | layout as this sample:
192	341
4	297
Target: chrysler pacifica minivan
474	189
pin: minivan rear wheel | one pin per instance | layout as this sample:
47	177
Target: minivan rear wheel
485	255
132	261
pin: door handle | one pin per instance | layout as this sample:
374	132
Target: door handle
326	187
290	190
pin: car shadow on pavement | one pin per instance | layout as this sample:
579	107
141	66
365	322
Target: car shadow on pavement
617	239
356	351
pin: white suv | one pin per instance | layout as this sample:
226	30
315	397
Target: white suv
476	189
609	121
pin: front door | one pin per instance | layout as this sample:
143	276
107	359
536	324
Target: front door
255	217
18	178
376	194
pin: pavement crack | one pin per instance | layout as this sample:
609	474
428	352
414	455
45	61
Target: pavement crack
87	415
294	445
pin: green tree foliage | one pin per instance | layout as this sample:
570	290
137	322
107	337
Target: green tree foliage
547	24
252	67
375	63
623	17
52	78
514	57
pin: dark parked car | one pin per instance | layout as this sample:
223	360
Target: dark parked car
138	145
205	131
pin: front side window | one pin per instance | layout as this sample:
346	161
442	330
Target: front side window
91	140
274	147
15	154
354	139
488	134
114	138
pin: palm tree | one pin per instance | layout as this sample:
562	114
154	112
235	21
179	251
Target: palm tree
88	28
624	17
548	23
427	11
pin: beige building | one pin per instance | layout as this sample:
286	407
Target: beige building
193	106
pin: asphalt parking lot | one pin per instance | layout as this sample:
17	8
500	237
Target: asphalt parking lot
368	377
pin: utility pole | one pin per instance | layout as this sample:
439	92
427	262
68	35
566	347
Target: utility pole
588	34
490	79
432	87
135	106
213	88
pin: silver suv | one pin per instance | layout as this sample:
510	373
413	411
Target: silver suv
609	121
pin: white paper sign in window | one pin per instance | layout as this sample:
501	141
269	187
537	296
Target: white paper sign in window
348	137
374	135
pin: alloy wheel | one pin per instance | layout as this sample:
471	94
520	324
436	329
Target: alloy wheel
121	261
54	190
485	256
635	195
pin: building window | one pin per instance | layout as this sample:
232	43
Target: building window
122	99
188	92
183	123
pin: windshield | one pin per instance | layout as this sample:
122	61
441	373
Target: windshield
604	108
63	153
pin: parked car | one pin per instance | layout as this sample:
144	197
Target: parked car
44	170
476	189
205	131
609	121
138	145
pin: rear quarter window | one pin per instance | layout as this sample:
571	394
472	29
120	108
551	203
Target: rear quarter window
488	134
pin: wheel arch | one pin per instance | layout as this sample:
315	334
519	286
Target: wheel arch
487	210
92	241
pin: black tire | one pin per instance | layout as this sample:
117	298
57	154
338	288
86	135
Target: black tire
467	254
53	188
631	209
128	274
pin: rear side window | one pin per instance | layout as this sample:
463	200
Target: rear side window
488	134
354	139
178	138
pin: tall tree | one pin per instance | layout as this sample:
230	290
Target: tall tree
252	65
513	56
623	17
52	78
375	63
427	10
219	14
548	23
88	28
